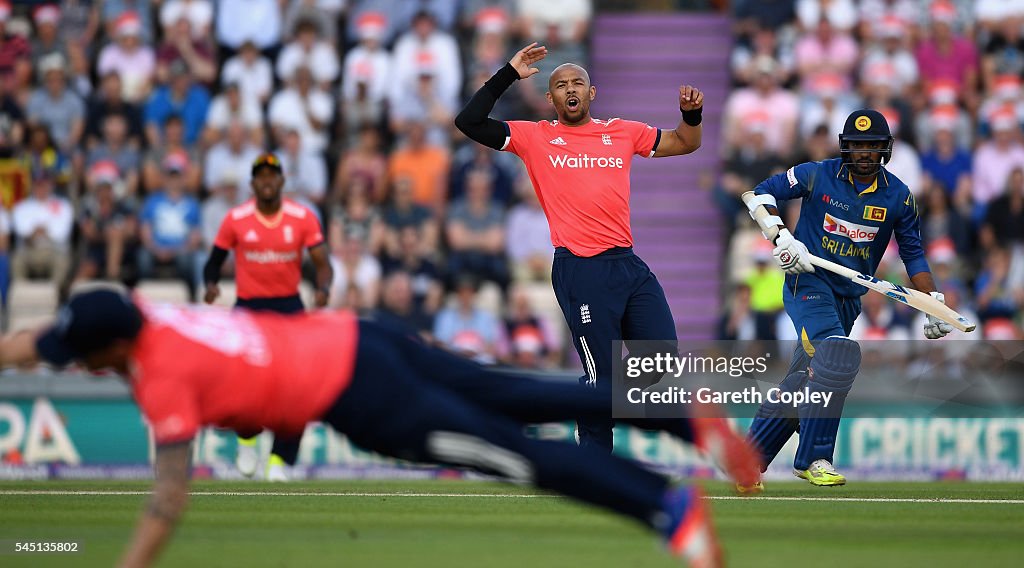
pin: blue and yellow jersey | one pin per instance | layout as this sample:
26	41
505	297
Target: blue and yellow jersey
846	226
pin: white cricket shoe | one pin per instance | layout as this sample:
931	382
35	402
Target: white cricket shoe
277	469
247	460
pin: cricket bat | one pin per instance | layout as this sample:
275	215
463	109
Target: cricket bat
913	298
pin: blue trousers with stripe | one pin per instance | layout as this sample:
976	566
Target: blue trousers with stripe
425	404
605	298
817	312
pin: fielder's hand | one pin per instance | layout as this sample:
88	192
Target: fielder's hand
526	57
212	292
690	98
791	254
936	328
320	299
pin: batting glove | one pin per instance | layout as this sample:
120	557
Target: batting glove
791	254
936	328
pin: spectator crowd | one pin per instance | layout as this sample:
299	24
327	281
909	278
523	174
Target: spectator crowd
128	129
947	75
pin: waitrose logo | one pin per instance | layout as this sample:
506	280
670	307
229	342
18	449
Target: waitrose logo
585	161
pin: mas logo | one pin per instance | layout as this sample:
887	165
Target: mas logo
872	213
828	200
853	231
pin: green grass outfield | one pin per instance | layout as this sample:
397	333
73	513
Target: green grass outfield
456	523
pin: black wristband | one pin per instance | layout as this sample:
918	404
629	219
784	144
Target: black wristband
692	117
502	80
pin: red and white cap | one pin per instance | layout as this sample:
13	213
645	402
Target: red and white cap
892	116
1001	329
945	117
5	10
104	171
757	121
762	250
879	72
46	14
942	92
491	20
371	25
1003	118
528	340
1006	87
128	24
827	85
890	26
943	11
942	251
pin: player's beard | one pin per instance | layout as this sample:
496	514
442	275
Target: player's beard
576	115
866	164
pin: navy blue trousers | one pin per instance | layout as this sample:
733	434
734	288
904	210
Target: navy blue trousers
287	448
604	298
423	404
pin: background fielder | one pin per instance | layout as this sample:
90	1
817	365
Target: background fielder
851	207
268	235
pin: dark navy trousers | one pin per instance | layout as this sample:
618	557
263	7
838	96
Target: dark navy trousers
605	298
287	448
424	404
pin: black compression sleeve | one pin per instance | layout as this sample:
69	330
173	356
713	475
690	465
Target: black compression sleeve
211	271
473	121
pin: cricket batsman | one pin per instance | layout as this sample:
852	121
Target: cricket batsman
851	208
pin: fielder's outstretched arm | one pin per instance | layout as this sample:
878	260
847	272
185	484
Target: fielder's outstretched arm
473	119
165	506
19	347
687	136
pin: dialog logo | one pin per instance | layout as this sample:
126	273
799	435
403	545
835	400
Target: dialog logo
853	231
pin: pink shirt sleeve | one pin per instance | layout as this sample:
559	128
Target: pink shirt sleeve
644	137
171	410
520	132
226	234
314	235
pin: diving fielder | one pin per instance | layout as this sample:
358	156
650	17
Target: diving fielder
851	208
191	366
